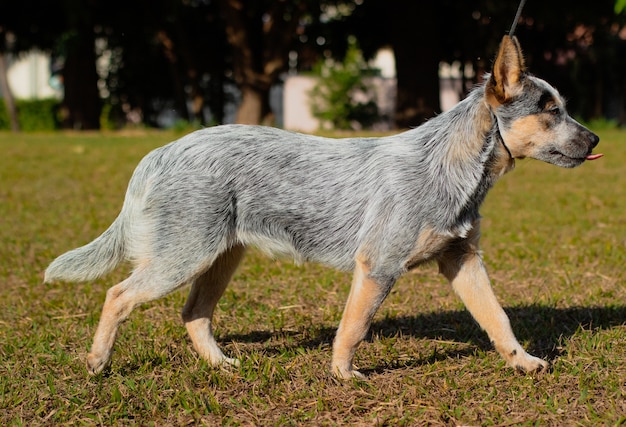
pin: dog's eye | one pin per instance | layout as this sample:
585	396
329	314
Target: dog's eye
555	111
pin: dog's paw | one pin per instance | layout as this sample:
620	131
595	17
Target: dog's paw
524	362
231	361
348	374
218	359
96	364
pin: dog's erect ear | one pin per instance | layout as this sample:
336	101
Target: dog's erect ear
508	70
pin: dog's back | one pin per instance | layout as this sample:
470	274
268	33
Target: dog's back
313	198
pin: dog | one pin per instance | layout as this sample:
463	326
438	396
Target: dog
378	206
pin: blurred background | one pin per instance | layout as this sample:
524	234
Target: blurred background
298	64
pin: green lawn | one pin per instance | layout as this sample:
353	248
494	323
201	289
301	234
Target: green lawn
554	242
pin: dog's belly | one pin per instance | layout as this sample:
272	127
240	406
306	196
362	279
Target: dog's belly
303	244
272	246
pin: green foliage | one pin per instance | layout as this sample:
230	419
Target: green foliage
343	99
185	126
38	114
620	6
108	117
5	123
601	124
32	114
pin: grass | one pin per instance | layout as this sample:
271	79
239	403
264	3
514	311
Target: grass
554	242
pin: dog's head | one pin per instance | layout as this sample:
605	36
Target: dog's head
531	115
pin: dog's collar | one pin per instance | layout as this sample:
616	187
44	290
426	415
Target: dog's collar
502	163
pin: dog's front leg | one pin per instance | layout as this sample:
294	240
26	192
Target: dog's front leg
366	295
469	278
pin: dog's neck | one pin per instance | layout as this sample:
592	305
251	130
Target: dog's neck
502	161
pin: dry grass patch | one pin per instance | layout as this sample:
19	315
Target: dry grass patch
554	243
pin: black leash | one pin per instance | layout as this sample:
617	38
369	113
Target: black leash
517	15
497	134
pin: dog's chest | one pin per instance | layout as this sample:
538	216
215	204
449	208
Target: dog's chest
428	246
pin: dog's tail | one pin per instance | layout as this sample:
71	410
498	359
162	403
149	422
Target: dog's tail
93	260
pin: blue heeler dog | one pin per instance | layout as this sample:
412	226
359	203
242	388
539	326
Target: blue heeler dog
379	206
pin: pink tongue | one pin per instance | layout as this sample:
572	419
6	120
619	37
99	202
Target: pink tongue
594	156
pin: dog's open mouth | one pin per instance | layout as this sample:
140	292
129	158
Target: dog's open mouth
589	156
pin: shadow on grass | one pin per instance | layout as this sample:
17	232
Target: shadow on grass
541	327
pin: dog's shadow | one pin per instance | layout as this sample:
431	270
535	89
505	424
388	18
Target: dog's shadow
541	328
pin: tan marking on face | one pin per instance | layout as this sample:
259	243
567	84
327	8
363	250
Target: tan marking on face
526	134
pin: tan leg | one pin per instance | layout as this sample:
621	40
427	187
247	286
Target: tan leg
471	282
365	297
203	297
120	301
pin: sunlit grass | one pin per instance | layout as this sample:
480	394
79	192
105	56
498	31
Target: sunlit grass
553	241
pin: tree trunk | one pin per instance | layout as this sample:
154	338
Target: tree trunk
217	97
8	95
178	86
417	61
81	102
193	75
254	107
260	39
249	111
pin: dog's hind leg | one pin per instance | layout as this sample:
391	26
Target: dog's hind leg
366	295
469	278
205	292
120	301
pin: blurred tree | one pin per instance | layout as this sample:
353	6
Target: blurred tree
261	34
150	54
414	30
417	54
5	90
579	46
178	54
18	35
81	101
166	55
68	26
342	98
